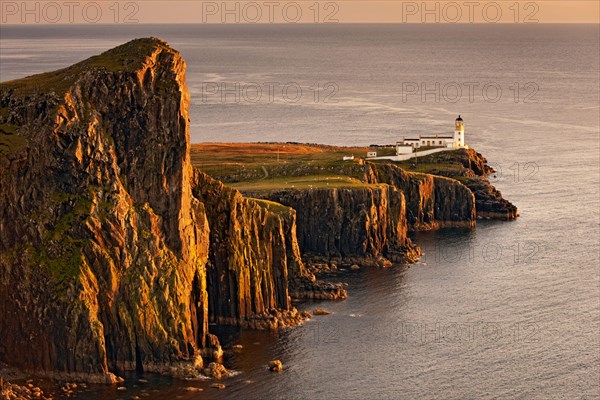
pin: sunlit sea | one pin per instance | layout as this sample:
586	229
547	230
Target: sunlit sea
507	310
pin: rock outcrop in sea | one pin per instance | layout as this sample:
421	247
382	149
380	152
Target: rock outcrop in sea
433	201
471	169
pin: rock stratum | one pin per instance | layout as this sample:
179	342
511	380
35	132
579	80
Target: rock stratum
115	253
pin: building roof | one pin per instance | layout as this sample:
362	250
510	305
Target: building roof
437	136
459	118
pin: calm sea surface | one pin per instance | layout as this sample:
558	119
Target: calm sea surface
508	310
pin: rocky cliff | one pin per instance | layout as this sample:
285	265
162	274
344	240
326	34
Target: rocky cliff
365	222
104	236
342	223
254	260
471	169
103	246
432	201
115	254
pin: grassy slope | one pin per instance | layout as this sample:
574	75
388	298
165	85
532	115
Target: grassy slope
301	182
255	166
448	163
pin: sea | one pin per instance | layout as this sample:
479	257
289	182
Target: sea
505	310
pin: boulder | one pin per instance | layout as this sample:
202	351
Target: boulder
216	370
275	366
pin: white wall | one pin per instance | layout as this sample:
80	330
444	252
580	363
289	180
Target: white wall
404	150
405	157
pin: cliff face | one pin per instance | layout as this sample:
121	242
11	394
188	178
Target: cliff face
103	246
472	171
371	220
432	201
489	201
115	254
253	258
350	222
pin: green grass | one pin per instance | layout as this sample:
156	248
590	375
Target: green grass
272	206
10	142
447	163
81	208
301	182
66	268
271	166
267	166
61	254
427	168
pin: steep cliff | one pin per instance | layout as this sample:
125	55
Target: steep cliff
445	189
432	201
369	221
104	236
471	169
115	254
341	223
254	260
103	246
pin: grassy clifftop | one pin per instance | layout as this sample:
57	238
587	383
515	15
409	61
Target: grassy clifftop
127	57
457	164
268	166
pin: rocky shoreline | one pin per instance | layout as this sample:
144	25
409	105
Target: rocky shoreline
13	391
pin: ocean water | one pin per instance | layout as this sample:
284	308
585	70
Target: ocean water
507	310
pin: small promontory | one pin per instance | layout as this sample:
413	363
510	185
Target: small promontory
358	210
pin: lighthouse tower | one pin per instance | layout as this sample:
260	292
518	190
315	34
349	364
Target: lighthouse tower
459	132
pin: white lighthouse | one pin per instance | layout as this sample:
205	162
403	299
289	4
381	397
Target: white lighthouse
459	132
454	140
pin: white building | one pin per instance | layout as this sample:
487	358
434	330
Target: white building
403	148
455	141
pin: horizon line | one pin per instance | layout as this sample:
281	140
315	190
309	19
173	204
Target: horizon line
296	23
